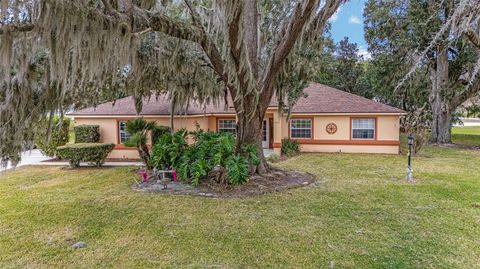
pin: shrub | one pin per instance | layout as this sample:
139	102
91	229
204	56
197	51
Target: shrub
211	156
290	147
94	153
87	133
138	130
157	132
273	158
59	136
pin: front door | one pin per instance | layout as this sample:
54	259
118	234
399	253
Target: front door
265	134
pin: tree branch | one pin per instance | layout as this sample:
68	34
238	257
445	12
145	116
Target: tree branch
17	28
250	26
207	44
473	38
237	48
290	34
470	91
286	40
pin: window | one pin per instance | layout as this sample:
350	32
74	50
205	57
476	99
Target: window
227	126
301	128
363	128
123	134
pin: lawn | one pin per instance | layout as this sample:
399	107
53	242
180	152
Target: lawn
360	214
467	135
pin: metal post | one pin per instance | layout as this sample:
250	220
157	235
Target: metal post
409	166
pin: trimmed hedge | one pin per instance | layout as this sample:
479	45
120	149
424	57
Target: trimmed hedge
94	153
58	137
87	134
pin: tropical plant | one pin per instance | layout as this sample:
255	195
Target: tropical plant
139	130
59	135
95	153
212	155
157	132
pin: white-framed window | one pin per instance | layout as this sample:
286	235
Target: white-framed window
300	128
363	128
227	126
122	132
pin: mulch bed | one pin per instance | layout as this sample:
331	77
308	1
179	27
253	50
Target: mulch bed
257	185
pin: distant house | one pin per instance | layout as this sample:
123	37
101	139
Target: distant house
326	120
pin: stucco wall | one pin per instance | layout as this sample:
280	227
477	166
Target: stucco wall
108	128
386	140
387	132
350	148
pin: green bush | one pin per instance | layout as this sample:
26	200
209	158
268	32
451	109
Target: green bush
94	153
87	133
273	158
157	132
290	147
212	155
138	130
59	135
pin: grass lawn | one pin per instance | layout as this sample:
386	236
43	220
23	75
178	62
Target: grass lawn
362	214
467	135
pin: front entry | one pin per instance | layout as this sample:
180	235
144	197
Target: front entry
266	134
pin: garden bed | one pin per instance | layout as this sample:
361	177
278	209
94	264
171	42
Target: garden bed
257	185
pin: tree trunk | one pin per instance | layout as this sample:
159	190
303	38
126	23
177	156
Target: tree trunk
441	124
145	155
249	131
441	111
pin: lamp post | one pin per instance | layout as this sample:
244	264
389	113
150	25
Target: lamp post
409	166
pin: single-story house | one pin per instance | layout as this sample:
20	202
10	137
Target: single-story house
324	120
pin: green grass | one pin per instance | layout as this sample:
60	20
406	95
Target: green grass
467	135
361	214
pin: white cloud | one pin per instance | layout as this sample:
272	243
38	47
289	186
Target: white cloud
354	20
334	17
364	52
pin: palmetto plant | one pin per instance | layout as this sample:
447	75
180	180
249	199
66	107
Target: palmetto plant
212	156
139	130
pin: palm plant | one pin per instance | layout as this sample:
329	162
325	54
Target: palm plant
139	130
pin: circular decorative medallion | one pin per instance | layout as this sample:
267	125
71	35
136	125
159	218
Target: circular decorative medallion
331	128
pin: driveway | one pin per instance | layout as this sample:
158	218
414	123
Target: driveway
31	157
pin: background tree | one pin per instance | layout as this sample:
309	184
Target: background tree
344	68
420	48
235	48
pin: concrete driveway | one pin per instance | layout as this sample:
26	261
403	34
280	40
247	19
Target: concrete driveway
31	157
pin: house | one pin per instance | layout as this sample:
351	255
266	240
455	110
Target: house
324	120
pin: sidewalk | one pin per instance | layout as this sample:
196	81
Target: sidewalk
30	157
87	164
35	157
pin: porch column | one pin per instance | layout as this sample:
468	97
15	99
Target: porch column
278	122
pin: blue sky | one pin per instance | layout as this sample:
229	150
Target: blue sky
348	21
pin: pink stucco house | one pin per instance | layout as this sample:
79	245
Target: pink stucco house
325	120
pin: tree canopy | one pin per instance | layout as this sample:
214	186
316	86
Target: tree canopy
56	53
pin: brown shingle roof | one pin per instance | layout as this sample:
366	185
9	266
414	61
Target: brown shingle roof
318	99
324	99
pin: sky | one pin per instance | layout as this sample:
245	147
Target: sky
348	21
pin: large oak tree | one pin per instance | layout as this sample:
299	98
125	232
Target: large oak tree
55	53
426	45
